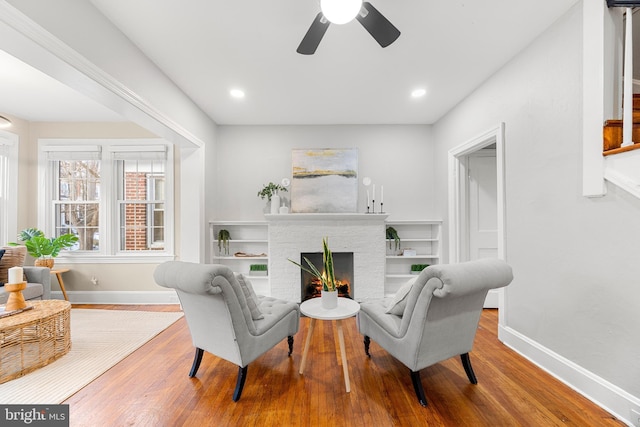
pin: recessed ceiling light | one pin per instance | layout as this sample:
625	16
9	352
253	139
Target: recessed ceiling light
236	93
4	122
418	93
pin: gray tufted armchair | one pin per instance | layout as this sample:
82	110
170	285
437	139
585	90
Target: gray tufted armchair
224	315
435	317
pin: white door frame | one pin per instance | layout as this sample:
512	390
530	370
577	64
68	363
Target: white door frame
457	194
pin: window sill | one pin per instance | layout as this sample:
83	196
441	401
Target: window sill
114	259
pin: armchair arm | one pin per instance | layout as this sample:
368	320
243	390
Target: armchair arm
40	275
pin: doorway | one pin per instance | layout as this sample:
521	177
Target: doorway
477	202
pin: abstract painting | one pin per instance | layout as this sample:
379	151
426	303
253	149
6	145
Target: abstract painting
324	180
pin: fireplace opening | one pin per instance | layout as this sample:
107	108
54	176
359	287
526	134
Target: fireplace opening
310	286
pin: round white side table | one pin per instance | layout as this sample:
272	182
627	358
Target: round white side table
313	309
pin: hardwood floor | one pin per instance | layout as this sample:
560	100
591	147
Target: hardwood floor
152	387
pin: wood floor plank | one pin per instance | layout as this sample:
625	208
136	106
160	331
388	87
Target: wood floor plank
151	387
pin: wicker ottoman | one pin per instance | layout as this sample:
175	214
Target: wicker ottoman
34	338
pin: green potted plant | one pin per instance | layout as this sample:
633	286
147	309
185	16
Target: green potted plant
44	249
269	190
417	268
258	269
392	234
223	241
326	277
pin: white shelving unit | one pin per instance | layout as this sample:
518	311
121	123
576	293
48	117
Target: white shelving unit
249	237
424	237
252	237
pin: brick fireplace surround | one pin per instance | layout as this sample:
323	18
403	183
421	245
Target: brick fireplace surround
291	234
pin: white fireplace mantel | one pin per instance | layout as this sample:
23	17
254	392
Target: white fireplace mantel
326	217
292	234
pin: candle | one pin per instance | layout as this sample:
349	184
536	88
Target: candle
381	194
374	192
15	275
367	199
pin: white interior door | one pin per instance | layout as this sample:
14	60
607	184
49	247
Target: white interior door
482	210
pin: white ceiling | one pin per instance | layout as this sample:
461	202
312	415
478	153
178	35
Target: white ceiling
31	95
208	47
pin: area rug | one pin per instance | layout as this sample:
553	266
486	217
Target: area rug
99	340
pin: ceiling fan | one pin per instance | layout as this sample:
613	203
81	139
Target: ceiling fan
383	31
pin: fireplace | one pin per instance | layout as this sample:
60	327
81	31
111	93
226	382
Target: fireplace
310	286
361	234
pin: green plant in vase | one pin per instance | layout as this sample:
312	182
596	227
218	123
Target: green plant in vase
258	269
327	276
223	241
417	268
392	234
269	190
43	248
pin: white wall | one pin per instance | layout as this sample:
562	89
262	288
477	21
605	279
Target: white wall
398	157
576	290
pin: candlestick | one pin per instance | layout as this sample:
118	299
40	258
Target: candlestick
373	197
15	275
381	195
367	200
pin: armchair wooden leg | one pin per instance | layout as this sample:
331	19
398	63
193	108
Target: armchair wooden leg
466	362
290	341
367	342
417	386
196	362
242	376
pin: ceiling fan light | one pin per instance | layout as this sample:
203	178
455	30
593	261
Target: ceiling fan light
418	93
340	11
237	93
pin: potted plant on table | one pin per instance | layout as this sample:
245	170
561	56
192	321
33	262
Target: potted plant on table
44	249
327	277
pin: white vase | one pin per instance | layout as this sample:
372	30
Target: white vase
275	204
329	299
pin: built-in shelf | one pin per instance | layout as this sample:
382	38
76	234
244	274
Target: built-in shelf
252	237
249	237
424	237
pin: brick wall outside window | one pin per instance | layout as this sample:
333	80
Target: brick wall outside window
136	213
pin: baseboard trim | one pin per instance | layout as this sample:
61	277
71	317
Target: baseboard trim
493	299
119	297
604	394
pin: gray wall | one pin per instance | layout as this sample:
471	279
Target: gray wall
575	259
399	157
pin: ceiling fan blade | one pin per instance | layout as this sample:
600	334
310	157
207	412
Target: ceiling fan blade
377	25
314	34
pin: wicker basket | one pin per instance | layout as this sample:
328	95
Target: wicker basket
34	338
13	257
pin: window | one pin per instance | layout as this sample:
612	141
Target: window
116	197
8	187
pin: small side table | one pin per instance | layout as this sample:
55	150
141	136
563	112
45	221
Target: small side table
58	272
313	309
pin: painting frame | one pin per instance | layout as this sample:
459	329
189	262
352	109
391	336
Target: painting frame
324	180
